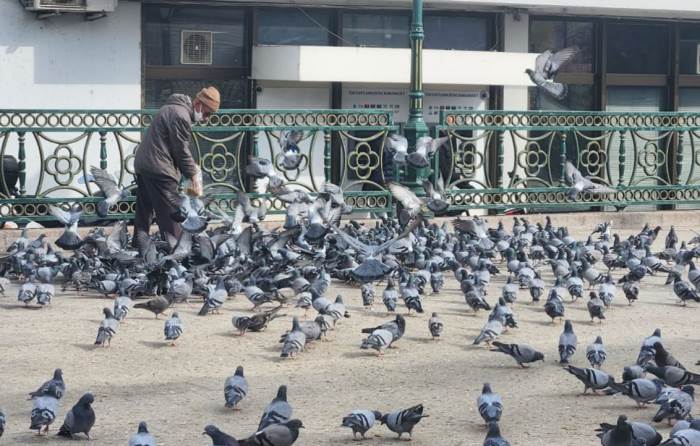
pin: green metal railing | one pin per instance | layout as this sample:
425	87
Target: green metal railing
500	160
56	148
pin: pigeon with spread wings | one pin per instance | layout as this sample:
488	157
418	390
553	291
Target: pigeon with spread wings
413	206
580	184
547	65
110	189
70	239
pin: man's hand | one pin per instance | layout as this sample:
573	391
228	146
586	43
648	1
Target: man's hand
197	188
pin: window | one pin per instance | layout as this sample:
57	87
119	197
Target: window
456	32
164	26
293	27
637	48
554	35
690	39
376	30
233	92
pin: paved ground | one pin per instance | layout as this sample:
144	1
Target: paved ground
178	390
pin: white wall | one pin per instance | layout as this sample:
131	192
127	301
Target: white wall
66	62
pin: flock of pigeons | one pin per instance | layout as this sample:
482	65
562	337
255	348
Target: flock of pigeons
294	265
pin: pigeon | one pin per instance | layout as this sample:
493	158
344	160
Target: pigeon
289	145
647	352
678	407
122	305
414	206
142	437
631	290
378	340
278	411
662	357
641	390
674	376
215	298
245	212
191	214
435	326
157	305
390	296
44	411
591	378
596	307
522	353
619	435
109	187
173	328
399	145
547	65
490	405
554	307
80	419
26	292
684	290
632	372
494	438
235	388
70	239
395	327
491	330
426	146
596	354
642	434
403	421
282	434
54	387
683	437
107	329
580	184
256	322
368	294
295	340
219	438
3	421
567	343
360	421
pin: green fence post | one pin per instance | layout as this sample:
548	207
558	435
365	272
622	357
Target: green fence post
500	159
679	157
327	155
562	158
22	165
621	159
103	150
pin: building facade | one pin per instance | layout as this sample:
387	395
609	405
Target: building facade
633	55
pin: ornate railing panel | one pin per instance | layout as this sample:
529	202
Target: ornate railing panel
501	160
56	148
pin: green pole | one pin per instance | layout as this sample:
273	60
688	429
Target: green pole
415	126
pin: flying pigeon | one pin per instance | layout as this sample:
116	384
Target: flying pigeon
70	239
289	145
399	145
426	146
547	65
580	184
110	189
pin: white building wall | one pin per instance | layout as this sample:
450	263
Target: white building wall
65	62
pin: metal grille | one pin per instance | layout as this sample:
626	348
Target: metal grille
196	48
56	4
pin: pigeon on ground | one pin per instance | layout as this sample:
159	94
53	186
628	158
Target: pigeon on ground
44	411
396	327
494	438
256	322
642	433
596	354
547	65
80	419
679	407
278	411
109	187
122	305
368	294
390	296
619	435
26	293
403	421
490	405
591	378
107	329
173	328
219	438
631	290
378	340
663	357
70	239
567	343
684	291
235	388
360	421
282	434
157	305
54	387
684	437
142	437
522	353
596	307
295	341
674	376
643	391
215	298
647	352
491	330
632	372
3	421
435	326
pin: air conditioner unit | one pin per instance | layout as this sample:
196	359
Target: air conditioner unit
83	6
196	47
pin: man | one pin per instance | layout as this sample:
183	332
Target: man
163	158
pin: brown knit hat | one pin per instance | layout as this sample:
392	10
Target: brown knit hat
210	97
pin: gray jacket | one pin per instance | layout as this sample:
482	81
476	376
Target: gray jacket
165	149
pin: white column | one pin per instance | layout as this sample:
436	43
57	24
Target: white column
515	39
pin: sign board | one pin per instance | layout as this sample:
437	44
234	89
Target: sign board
397	100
